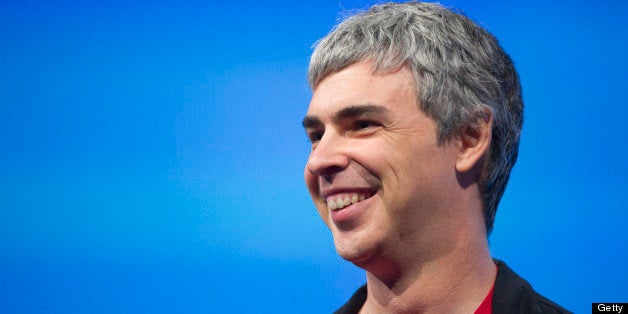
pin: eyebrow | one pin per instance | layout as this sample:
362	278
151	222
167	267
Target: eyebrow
353	111
311	122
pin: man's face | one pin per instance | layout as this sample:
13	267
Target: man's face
376	173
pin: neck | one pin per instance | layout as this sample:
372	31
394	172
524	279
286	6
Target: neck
455	280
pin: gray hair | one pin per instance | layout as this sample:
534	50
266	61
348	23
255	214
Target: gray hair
461	75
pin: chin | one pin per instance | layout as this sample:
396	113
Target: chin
355	252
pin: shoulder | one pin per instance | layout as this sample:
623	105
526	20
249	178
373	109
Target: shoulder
514	294
355	302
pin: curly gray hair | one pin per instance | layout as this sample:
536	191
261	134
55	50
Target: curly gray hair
461	75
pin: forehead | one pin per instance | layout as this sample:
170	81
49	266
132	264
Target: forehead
357	84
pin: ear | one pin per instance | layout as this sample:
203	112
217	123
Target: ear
474	142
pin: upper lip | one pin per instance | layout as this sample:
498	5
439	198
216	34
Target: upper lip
325	193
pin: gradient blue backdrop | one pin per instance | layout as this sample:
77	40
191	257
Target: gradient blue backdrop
151	155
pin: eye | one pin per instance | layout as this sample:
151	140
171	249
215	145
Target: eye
365	124
315	136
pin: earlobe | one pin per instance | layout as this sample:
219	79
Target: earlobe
474	142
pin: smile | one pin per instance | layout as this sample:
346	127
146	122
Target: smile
339	201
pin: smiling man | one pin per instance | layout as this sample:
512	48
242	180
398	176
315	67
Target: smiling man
414	121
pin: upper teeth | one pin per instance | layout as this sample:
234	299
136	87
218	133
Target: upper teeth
340	201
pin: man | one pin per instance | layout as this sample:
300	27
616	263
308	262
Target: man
414	122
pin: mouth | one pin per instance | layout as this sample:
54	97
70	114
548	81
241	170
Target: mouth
339	201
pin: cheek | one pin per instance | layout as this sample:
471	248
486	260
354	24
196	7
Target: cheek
312	185
311	181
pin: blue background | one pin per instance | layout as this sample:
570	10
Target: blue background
151	155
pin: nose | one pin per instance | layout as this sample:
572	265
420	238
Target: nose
327	157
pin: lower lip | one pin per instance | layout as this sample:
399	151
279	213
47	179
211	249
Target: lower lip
350	213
